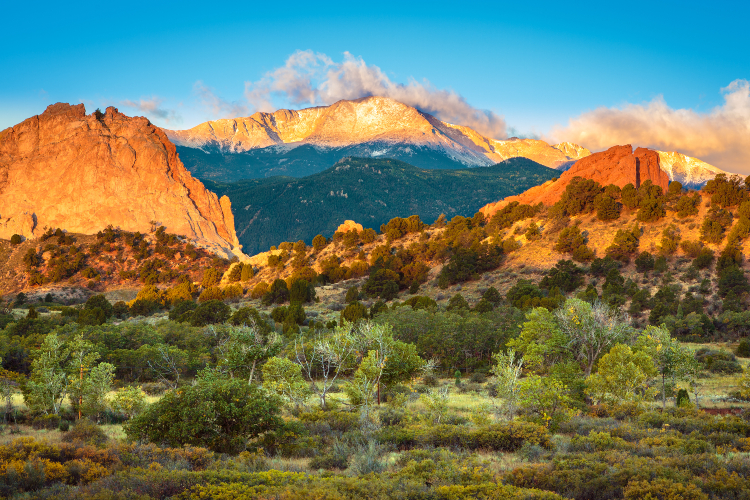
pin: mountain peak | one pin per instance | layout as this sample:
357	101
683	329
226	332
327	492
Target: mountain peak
379	124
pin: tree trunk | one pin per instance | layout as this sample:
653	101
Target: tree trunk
252	370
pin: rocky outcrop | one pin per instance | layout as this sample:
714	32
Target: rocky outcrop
618	165
349	225
82	172
377	121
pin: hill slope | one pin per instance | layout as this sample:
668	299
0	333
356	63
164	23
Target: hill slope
370	191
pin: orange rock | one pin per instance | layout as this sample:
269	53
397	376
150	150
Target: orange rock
349	225
618	165
81	172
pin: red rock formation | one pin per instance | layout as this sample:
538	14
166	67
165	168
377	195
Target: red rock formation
618	165
81	172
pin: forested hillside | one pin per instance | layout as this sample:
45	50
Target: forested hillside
369	191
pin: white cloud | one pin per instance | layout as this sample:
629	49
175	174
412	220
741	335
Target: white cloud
152	108
720	137
217	106
309	78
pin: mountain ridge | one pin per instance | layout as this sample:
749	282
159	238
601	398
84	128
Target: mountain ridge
264	144
370	120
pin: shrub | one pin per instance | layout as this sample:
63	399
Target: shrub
352	294
743	349
319	242
651	210
259	290
211	277
46	422
87	432
220	415
569	240
209	313
183	311
16	239
607	209
301	291
354	312
143	307
644	262
624	244
277	294
101	302
507	437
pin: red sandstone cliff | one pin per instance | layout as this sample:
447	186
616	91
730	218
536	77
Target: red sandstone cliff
618	165
81	172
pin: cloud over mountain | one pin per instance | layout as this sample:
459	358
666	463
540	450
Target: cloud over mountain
152	107
720	136
309	78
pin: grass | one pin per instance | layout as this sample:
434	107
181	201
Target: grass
113	431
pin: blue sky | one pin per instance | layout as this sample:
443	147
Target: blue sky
537	65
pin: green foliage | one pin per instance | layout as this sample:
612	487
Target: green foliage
715	224
218	414
277	294
565	276
492	295
524	295
282	215
733	279
687	206
16	239
100	302
353	312
457	303
544	401
510	214
644	262
670	240
284	378
352	294
651	210
569	240
130	401
625	244
726	191
301	292
743	348
209	313
383	283
607	209
672	361
580	196
622	375
468	263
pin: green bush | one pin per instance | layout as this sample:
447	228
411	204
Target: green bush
209	313
86	431
220	415
743	349
16	239
46	422
508	437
